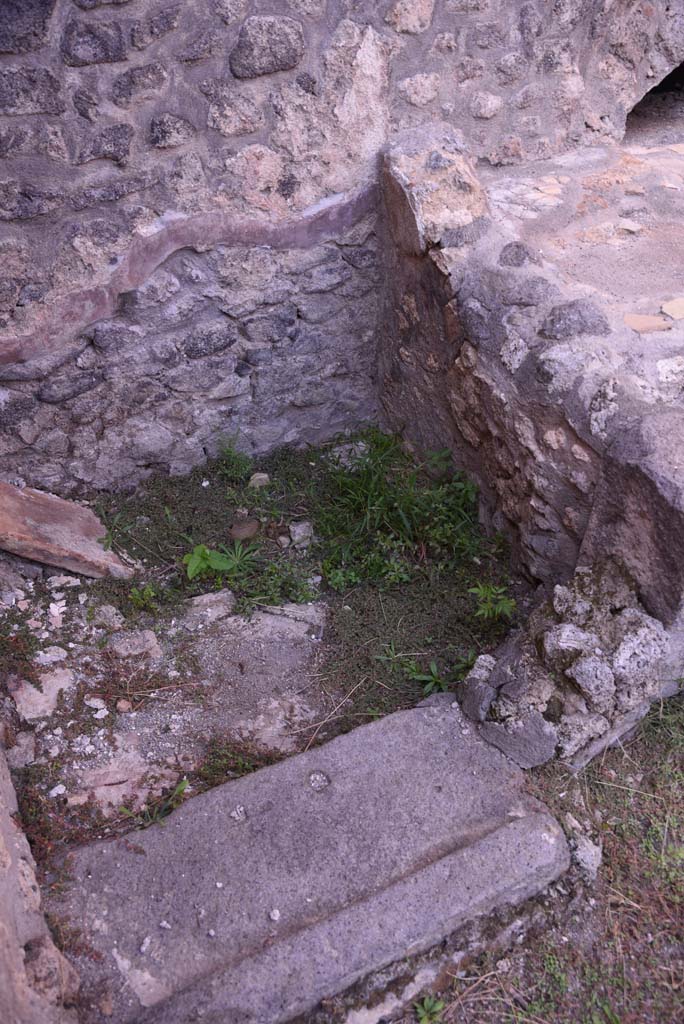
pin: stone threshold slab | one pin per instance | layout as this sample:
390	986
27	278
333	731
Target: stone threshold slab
265	895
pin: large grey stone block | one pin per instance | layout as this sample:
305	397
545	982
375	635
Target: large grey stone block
265	895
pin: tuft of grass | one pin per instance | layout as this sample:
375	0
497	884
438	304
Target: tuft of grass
224	759
153	813
234	466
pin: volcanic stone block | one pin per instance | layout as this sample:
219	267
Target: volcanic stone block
113	143
573	318
169	130
138	83
266	45
23	24
86	43
29	91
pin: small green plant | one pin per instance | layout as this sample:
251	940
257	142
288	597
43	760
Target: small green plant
463	665
493	603
429	1010
432	680
233	563
155	813
144	599
234	466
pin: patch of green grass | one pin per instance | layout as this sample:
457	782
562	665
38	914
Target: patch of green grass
234	466
382	517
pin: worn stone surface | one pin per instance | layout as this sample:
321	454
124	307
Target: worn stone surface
48	529
263	913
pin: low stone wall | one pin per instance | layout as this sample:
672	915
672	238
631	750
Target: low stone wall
485	348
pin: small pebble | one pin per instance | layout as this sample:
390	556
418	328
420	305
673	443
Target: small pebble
145	944
102	713
274	914
57	790
165	925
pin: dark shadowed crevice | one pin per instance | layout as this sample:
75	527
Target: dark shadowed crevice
660	110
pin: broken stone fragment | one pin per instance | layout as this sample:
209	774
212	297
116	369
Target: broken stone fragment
564	643
301	534
267	44
48	529
529	740
136	644
259	480
644	323
475	694
33	703
208	608
108	617
244	529
674	308
595	679
587	855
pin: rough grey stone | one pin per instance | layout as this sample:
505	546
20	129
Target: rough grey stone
588	856
89	5
63	388
574	318
169	130
299	879
19	200
595	679
157	25
112	143
23	24
29	91
86	42
138	83
267	44
517	254
529	740
85	104
200	47
208	340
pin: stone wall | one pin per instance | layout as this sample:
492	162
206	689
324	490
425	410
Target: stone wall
131	130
